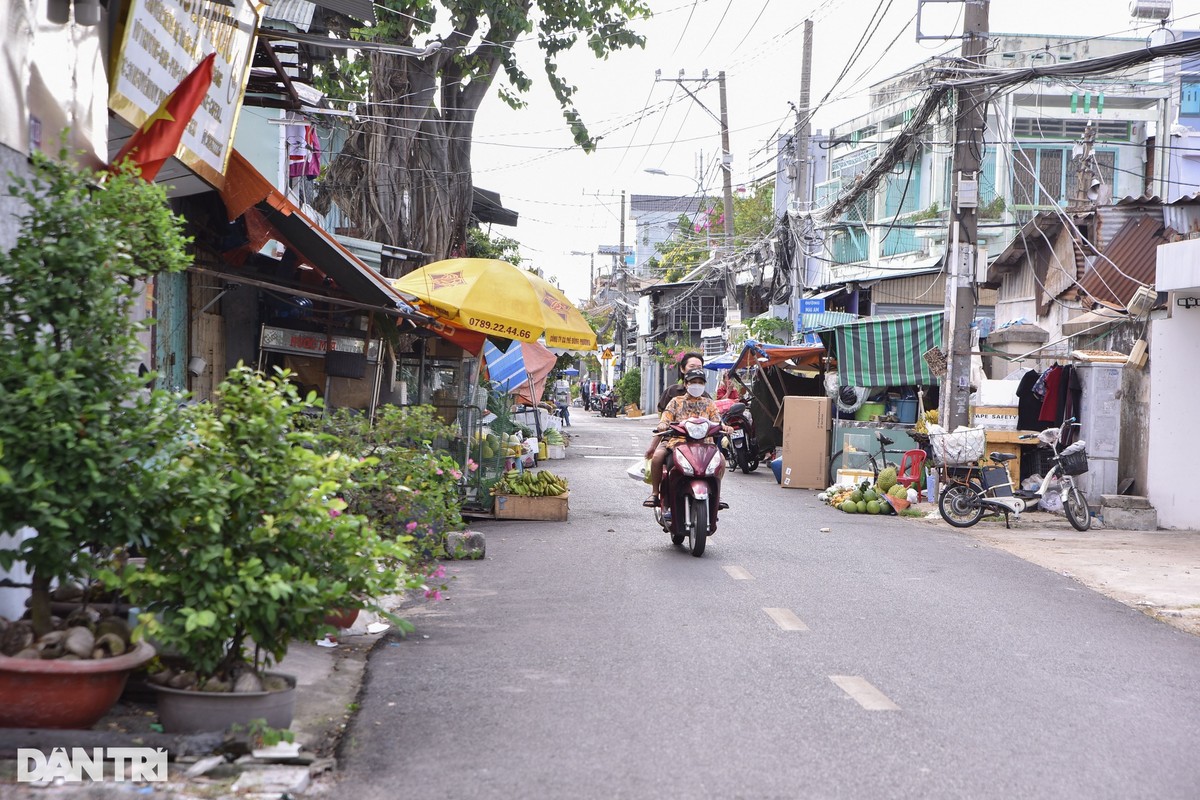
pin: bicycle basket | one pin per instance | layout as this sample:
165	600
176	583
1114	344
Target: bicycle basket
958	447
1074	463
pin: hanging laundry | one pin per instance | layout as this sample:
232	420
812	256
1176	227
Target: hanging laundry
312	165
296	138
1050	404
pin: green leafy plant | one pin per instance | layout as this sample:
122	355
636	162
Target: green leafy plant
80	431
258	545
260	734
769	330
629	387
411	487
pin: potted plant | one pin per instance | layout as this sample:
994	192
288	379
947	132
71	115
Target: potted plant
255	550
78	426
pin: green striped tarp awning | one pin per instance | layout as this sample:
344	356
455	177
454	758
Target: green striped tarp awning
887	352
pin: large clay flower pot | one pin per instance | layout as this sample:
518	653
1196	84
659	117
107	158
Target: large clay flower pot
53	693
186	711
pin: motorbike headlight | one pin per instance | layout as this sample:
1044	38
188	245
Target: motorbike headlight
696	429
714	464
685	466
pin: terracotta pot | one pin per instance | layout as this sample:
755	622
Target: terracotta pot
53	693
341	618
185	711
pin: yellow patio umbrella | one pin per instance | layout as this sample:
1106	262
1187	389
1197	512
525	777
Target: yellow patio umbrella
498	298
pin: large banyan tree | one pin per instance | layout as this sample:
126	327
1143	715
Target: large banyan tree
404	174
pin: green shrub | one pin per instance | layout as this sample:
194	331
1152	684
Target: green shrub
629	387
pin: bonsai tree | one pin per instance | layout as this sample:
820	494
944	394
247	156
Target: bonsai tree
257	546
77	425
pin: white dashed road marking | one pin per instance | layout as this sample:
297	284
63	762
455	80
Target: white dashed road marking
785	619
864	693
738	574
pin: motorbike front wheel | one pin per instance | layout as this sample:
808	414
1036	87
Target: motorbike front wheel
1075	504
961	505
698	531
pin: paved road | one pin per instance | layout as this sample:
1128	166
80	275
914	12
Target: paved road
885	658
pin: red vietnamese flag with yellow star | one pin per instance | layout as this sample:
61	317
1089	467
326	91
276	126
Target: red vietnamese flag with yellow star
158	137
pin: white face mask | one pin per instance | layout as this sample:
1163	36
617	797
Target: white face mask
695	389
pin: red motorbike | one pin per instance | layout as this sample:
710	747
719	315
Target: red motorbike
690	492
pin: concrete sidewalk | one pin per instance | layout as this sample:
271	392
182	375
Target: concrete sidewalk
1156	572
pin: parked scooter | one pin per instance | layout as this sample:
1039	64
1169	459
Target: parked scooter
741	444
975	491
690	493
607	404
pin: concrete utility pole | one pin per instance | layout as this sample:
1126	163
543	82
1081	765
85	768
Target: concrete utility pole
803	120
800	155
621	287
732	312
963	249
733	315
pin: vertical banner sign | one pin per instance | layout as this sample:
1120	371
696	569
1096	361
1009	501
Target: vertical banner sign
163	42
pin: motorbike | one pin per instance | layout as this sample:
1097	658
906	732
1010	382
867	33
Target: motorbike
690	492
974	490
607	404
741	445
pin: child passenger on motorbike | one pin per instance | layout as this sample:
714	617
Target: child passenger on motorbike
684	406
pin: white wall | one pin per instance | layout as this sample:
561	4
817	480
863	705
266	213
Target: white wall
1171	468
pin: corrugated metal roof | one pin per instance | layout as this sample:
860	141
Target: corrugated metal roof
1128	262
358	9
298	12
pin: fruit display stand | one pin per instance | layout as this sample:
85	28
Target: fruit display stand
546	509
529	495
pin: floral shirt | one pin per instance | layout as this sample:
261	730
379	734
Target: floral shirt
684	407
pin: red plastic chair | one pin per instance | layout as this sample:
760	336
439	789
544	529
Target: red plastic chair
910	468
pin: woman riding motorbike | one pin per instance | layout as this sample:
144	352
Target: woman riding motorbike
689	362
693	403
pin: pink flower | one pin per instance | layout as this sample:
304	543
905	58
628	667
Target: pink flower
438	471
471	465
334	513
433	594
410	527
440	572
455	474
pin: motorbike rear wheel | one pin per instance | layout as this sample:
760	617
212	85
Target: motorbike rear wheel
961	505
698	529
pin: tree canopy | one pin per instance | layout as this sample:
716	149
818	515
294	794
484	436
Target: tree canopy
404	174
695	238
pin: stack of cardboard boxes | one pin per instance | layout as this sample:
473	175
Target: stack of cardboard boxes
805	425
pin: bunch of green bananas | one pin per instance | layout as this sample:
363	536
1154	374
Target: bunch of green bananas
530	484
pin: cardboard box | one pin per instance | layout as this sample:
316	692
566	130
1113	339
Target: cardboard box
806	422
549	509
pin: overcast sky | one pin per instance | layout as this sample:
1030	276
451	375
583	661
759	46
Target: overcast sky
569	201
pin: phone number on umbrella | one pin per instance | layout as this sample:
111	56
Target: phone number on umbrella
498	327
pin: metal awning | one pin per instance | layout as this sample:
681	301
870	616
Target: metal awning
887	352
246	190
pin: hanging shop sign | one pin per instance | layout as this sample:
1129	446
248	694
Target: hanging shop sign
163	42
310	343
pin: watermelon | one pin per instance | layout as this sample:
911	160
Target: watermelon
862	506
873	507
850	507
870	495
856	495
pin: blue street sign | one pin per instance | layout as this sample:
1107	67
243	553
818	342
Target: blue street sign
813	306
